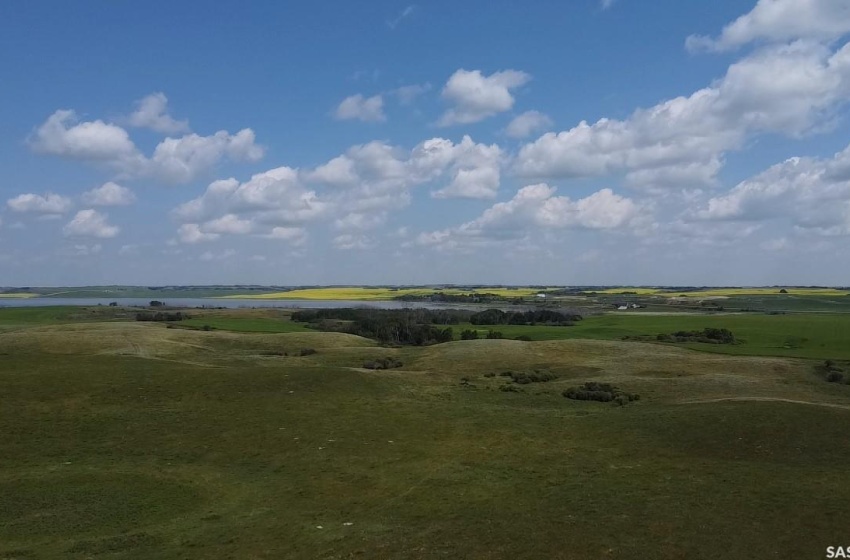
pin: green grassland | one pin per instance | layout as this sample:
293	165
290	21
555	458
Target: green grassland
803	335
243	320
18	317
127	440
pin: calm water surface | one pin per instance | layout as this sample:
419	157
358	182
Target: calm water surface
232	303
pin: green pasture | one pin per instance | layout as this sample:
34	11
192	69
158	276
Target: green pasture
246	325
126	440
804	335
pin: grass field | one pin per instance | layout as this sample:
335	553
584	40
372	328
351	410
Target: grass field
127	440
17	295
262	320
17	317
803	335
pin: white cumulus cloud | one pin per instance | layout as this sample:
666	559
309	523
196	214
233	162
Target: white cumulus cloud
90	223
351	242
789	89
780	20
275	198
63	135
40	204
191	233
361	108
174	160
530	121
475	96
536	207
812	194
109	194
152	112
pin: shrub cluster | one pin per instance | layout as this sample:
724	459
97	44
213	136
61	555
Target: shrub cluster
834	374
707	335
510	388
307	352
526	377
601	392
469	334
383	363
160	316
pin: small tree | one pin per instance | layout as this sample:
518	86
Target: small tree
469	334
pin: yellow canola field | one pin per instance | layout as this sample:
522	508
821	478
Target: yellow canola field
367	294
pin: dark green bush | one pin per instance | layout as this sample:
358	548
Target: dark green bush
306	352
600	392
835	377
383	363
510	389
494	334
524	338
159	316
469	334
524	378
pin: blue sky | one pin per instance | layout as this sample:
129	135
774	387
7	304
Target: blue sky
580	142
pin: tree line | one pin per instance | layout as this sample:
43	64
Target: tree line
422	326
388	326
532	317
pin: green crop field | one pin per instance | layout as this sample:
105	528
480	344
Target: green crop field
803	335
131	440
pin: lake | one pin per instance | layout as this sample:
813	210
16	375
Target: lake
239	303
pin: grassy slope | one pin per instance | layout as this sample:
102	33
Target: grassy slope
135	441
248	325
